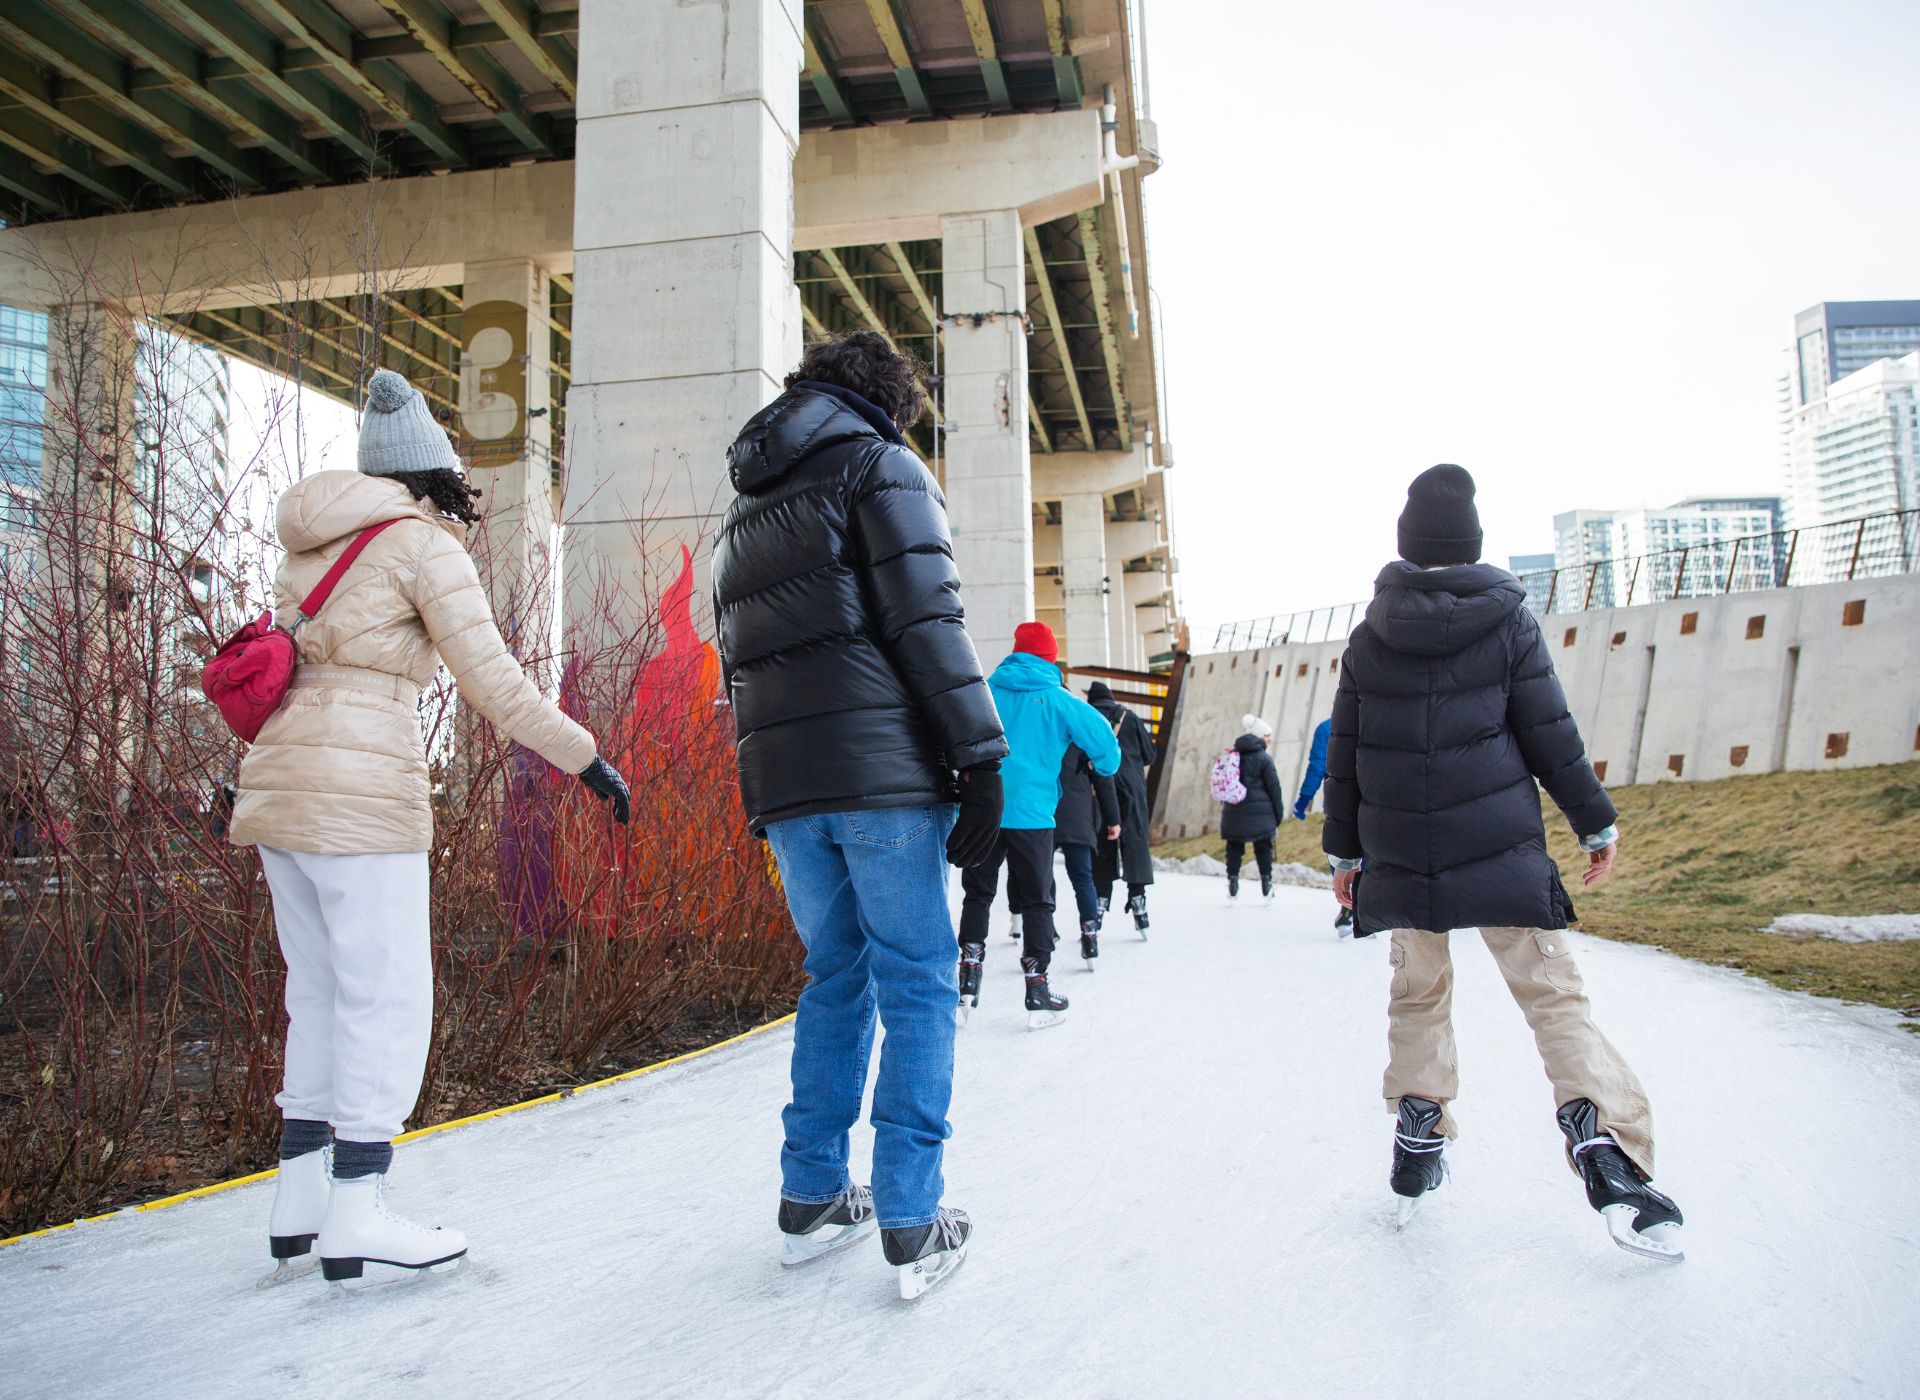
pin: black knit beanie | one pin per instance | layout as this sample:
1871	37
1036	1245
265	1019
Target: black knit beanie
1099	691
1440	524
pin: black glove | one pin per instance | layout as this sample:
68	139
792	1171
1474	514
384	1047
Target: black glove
603	780
979	824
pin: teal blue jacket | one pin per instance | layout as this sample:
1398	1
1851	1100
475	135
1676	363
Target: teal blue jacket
1041	717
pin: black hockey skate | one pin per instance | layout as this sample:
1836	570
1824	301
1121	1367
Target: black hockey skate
1343	921
1137	906
816	1229
1640	1219
1089	941
1100	914
922	1255
1419	1155
972	956
1043	1007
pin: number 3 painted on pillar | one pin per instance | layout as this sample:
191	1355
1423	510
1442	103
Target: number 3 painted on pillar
486	414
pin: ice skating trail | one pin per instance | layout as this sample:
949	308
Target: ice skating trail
1179	1192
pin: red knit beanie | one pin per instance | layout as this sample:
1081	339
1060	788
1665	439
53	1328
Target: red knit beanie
1036	638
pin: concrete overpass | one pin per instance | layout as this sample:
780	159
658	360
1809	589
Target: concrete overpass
596	235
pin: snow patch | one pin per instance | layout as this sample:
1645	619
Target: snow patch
1212	867
1864	928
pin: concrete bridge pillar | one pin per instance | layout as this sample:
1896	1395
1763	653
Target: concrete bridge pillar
989	469
506	427
1084	567
685	313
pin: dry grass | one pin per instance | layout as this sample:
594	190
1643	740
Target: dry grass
1704	866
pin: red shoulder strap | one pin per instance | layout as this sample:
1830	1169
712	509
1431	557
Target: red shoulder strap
323	590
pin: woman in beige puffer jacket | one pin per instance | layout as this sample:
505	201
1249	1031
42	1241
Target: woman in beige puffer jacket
334	793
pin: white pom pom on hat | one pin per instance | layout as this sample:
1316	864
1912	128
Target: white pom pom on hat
1257	727
398	433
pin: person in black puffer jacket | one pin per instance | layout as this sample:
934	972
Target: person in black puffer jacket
1447	713
1255	817
861	718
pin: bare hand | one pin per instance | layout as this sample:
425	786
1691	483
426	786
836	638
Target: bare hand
1599	865
1113	833
1343	883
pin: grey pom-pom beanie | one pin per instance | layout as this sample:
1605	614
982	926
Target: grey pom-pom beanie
397	432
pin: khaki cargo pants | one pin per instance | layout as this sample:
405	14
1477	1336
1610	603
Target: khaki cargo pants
1538	965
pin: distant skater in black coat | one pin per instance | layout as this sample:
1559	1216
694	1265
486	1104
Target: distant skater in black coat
1089	812
1130	855
1447	714
1255	817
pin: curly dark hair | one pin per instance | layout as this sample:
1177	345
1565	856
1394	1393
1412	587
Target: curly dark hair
891	379
446	488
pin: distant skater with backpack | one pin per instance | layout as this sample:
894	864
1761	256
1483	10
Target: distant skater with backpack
1247	786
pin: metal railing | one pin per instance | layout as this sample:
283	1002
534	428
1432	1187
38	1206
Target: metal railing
1871	546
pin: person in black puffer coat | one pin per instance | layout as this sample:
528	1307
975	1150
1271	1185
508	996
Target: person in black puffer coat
1447	713
1257	815
861	718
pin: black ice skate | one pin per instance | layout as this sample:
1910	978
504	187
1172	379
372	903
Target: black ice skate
1137	906
1089	941
1043	1007
972	955
1419	1155
1343	921
922	1255
816	1229
1106	903
1640	1219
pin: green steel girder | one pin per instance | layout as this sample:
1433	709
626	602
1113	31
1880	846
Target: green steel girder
171	61
1036	259
986	45
1091	247
519	26
228	30
1066	68
819	72
44	144
887	23
57	45
475	69
111	135
380	81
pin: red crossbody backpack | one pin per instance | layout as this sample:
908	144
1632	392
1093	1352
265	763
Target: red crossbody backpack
249	676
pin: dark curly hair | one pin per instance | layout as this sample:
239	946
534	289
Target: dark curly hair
891	379
446	488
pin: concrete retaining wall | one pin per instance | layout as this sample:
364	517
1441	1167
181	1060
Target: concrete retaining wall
1796	678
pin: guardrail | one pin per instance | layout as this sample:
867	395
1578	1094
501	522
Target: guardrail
1869	546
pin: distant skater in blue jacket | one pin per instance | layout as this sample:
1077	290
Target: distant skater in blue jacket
1309	785
1041	718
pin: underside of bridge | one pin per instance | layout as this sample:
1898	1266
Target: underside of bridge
571	145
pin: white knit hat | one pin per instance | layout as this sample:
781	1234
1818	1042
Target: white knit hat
397	432
1257	727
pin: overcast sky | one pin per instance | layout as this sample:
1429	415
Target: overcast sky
1561	245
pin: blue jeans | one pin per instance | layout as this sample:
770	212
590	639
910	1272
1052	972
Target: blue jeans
868	892
1080	876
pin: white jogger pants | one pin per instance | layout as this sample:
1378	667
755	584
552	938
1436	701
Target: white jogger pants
355	935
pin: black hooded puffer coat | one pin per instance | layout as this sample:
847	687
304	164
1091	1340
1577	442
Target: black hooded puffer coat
843	646
1447	711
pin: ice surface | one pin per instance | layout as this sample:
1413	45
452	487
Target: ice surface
1180	1192
1859	928
1290	872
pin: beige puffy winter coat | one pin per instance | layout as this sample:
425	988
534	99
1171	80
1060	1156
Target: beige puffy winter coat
341	766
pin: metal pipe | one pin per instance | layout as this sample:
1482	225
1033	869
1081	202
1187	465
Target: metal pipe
1111	164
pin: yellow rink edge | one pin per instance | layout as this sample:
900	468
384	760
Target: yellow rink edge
416	1134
